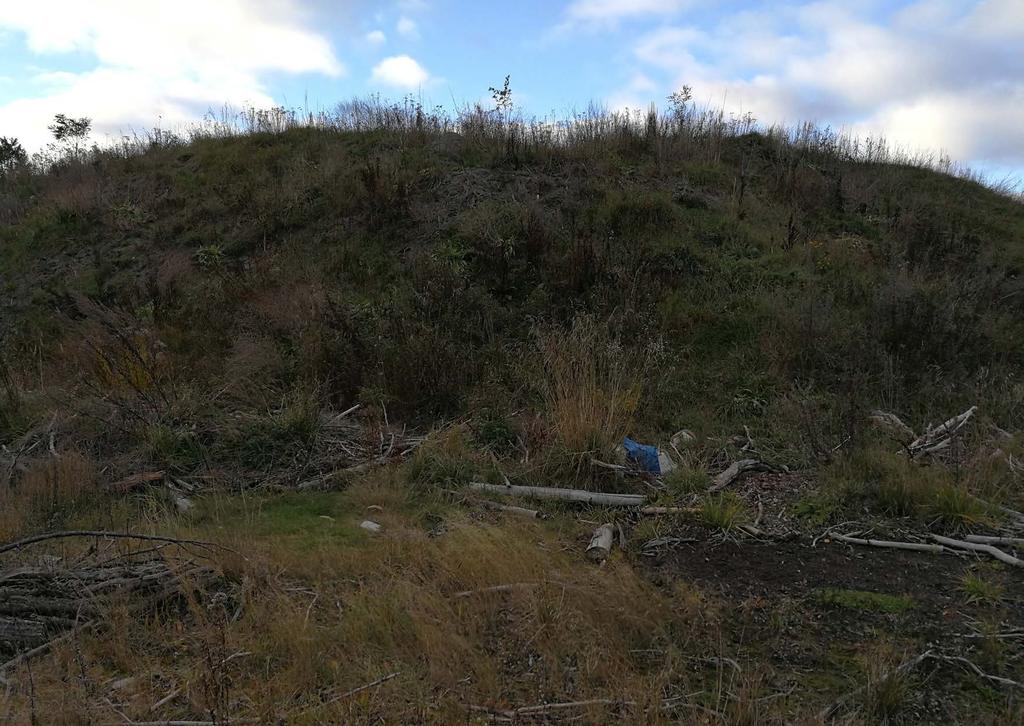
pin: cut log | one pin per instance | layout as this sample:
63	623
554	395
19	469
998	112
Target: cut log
601	543
511	509
975	547
566	495
738	469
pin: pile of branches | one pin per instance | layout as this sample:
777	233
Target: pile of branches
935	439
41	605
345	445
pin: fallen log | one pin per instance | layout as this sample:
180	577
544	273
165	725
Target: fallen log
601	543
566	495
738	469
976	547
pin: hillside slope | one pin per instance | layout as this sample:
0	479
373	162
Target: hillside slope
498	305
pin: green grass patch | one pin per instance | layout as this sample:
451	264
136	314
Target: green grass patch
864	600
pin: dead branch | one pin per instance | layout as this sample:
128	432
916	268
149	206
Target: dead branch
1012	541
354	691
511	509
738	469
668	510
914	546
107	535
937	438
497	588
976	670
986	548
568	495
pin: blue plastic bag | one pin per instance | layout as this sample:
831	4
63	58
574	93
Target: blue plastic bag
646	457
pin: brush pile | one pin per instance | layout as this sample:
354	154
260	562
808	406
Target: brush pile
40	604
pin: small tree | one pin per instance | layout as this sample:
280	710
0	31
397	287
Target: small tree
12	154
65	128
70	135
502	97
679	100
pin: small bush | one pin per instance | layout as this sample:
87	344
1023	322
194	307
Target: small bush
685	481
444	459
722	511
979	587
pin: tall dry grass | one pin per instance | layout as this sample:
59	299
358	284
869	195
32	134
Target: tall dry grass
592	384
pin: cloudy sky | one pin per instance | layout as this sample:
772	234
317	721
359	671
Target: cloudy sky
940	74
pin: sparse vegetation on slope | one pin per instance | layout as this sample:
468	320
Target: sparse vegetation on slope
263	337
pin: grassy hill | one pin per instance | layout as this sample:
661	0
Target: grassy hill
510	299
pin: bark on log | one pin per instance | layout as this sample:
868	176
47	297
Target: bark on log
567	495
601	543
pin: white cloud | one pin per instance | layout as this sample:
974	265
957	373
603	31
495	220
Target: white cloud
154	59
400	71
376	37
407	26
604	11
933	75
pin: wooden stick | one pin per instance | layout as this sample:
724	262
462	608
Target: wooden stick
568	495
977	671
107	535
511	509
669	510
1012	541
914	546
497	588
987	549
354	691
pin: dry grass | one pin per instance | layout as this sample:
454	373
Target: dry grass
592	385
49	490
329	607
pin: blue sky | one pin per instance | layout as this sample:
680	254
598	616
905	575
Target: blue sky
946	75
